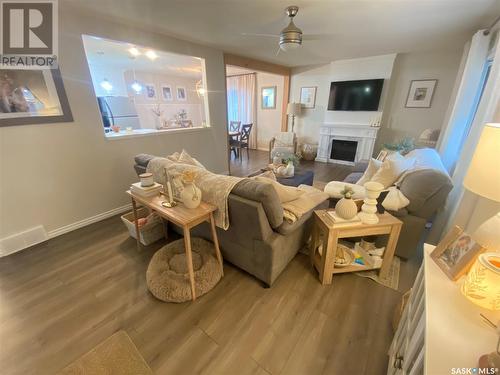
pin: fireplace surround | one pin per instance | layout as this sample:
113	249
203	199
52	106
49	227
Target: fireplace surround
344	137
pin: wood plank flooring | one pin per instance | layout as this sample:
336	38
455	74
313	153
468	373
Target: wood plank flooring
60	299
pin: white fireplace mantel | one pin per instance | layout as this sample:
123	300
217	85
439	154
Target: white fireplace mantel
364	135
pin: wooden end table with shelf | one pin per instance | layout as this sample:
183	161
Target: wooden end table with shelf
184	217
326	233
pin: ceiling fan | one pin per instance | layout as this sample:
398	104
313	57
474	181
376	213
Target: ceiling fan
291	36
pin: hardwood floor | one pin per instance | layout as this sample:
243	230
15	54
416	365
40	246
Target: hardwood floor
323	172
62	298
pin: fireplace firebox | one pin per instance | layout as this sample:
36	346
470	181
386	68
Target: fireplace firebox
343	150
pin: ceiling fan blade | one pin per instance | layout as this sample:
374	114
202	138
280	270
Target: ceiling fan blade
261	35
318	36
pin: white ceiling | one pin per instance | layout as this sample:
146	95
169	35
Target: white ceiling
354	28
113	54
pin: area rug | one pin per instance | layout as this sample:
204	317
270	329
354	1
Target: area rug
392	279
168	277
115	355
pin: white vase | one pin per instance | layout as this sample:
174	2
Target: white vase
191	195
346	208
290	169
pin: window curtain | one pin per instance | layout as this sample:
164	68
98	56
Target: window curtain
476	103
241	102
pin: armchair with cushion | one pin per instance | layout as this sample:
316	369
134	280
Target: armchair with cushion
284	144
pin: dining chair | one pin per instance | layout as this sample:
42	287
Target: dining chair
243	140
234	126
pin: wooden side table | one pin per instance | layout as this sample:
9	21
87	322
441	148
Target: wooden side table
325	232
184	217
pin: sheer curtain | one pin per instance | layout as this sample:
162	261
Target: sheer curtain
241	103
476	103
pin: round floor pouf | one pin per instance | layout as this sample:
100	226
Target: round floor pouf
168	277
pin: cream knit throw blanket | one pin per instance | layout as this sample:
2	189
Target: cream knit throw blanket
294	210
215	188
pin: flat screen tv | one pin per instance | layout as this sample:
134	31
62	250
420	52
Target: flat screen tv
355	95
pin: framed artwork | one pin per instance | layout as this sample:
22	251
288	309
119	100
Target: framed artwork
308	97
456	253
181	94
150	91
32	96
166	92
420	93
268	97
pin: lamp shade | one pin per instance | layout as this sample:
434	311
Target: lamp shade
483	175
482	284
293	109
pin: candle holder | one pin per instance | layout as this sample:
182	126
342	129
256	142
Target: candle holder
369	208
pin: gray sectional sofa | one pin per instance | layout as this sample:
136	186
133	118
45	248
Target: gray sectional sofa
258	240
427	190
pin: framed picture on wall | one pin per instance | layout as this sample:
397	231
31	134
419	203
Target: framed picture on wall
150	91
32	96
308	97
420	93
166	93
181	94
268	95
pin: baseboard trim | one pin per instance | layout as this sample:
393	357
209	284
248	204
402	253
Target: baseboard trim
87	221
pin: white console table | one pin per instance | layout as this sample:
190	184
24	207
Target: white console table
440	329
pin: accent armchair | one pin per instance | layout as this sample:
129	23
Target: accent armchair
285	143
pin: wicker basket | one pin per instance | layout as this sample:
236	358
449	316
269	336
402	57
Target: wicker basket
149	233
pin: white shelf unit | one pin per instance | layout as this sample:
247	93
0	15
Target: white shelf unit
440	330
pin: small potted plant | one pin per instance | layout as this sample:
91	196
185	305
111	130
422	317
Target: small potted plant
346	208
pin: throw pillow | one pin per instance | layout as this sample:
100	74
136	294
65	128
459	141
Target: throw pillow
185	158
285	193
373	167
392	167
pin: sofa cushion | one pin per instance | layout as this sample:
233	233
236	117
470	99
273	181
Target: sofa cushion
263	193
372	168
421	186
392	167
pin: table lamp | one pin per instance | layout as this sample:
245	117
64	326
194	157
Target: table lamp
293	110
482	284
483	179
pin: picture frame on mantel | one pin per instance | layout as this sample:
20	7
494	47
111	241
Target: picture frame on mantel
32	97
420	93
308	97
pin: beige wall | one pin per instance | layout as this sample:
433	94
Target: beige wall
59	174
268	120
308	124
398	121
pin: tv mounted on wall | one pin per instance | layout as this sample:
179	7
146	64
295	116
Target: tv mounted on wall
363	95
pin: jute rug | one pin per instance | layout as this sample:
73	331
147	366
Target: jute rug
392	279
115	355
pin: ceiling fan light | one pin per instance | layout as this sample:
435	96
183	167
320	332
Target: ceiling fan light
287	46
